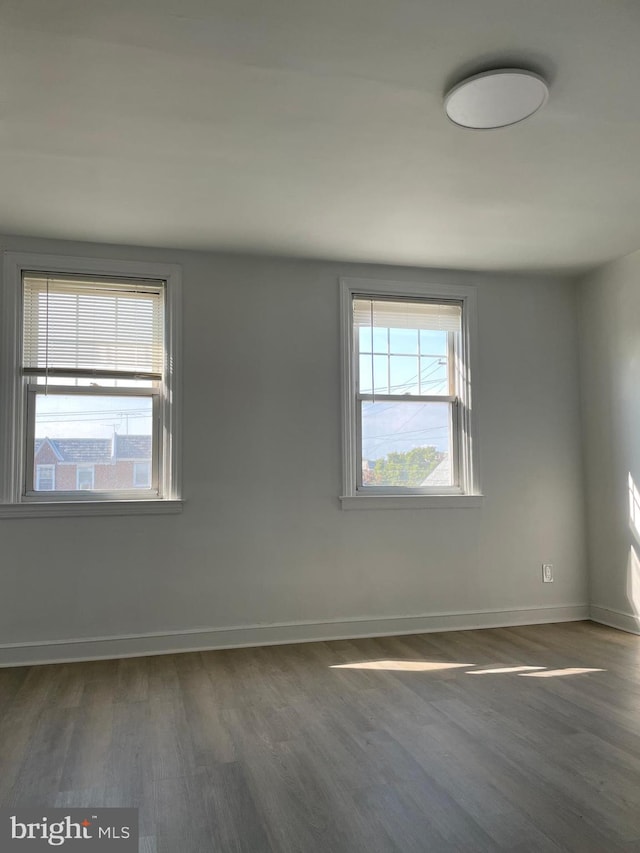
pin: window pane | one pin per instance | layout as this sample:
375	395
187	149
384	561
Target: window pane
380	374
406	444
364	376
403	341
433	342
379	339
434	375
91	443
404	374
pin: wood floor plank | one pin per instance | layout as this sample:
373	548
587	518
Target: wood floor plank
38	780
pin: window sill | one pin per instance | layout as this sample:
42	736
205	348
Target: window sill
57	509
351	502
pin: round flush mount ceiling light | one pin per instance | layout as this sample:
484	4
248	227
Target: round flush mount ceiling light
496	98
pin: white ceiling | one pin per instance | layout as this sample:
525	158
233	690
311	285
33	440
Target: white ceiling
315	128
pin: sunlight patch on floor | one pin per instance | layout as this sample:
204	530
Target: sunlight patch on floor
554	673
502	669
401	665
524	671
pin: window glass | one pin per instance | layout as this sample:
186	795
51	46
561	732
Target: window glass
406	444
95	440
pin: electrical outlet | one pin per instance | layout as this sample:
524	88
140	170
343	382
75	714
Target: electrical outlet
547	573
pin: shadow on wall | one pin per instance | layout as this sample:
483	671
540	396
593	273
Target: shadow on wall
633	560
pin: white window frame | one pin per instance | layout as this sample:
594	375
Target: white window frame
15	451
467	493
39	469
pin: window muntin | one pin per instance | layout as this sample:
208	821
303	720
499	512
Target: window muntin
93	366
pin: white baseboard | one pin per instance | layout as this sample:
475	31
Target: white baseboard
615	618
206	639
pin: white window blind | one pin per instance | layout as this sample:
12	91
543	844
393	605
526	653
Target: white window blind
77	326
427	316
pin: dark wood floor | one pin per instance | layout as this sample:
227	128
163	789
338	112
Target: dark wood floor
286	749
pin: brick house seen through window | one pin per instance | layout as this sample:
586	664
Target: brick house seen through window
100	464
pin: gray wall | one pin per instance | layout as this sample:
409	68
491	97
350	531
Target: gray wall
610	368
262	540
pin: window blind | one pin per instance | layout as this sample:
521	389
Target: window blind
78	326
428	316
